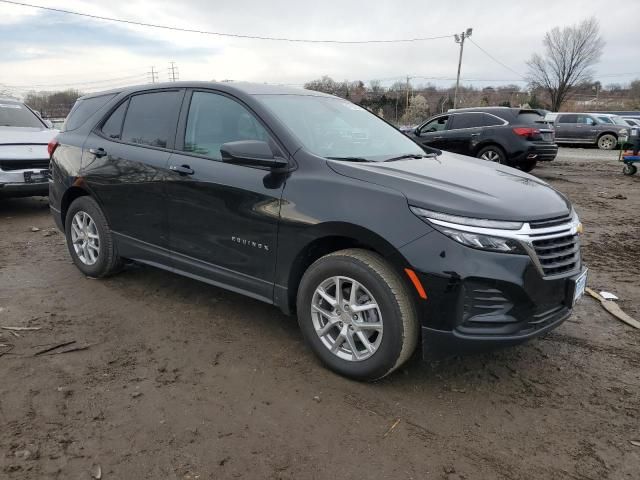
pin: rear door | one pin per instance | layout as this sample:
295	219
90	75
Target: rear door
223	218
566	127
466	129
125	165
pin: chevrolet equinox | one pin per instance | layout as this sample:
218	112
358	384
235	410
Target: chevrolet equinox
311	203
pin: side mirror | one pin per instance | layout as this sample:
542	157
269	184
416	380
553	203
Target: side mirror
416	131
251	153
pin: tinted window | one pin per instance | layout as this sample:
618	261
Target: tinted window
17	115
151	118
214	120
568	119
435	125
112	128
529	118
586	120
83	109
472	120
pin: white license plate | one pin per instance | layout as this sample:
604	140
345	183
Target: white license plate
581	284
547	137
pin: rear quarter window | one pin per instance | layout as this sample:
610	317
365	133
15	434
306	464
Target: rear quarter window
83	109
530	118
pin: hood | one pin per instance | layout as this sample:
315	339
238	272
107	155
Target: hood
24	135
465	186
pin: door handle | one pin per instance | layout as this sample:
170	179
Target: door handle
475	134
437	138
98	152
182	169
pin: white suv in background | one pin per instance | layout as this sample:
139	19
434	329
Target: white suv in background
24	156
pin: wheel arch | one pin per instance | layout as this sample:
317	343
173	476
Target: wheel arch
69	196
331	237
488	143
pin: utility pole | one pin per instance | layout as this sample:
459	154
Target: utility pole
173	72
408	78
460	40
153	75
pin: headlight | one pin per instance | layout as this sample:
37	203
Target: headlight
453	226
483	242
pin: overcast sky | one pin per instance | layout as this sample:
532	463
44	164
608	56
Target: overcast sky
47	50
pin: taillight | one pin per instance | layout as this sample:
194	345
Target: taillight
526	132
51	147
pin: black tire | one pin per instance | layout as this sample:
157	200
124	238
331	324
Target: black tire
607	142
108	262
493	153
399	334
527	165
629	169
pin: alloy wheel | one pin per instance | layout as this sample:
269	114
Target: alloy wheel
491	156
347	318
85	238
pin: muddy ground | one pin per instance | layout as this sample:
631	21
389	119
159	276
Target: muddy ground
181	380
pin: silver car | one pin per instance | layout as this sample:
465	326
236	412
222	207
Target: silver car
24	157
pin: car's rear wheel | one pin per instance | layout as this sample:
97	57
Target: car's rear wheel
607	142
90	240
493	153
629	169
357	314
527	165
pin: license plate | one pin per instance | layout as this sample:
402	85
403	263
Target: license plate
547	137
580	285
36	177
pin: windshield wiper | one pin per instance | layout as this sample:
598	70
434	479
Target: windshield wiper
350	159
412	155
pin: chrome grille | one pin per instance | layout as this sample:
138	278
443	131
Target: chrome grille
558	255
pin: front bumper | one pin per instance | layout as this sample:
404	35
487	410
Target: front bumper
479	300
13	183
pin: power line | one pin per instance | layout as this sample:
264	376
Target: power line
221	34
496	60
104	80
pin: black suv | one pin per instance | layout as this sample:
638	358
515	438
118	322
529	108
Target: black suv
511	136
311	203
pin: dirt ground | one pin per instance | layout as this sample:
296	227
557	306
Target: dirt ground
181	380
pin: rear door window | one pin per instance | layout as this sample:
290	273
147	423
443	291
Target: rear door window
571	118
83	109
151	118
216	119
474	120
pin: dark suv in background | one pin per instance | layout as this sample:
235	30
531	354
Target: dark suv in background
586	128
510	136
311	203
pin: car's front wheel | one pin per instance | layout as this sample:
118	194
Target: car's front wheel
607	142
90	240
357	314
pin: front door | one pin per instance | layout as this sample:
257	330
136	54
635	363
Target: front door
223	218
434	133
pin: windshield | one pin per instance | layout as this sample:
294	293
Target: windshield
336	128
17	115
619	121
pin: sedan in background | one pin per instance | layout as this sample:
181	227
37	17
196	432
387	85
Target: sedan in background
24	155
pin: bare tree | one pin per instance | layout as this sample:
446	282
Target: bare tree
569	54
